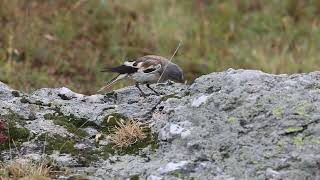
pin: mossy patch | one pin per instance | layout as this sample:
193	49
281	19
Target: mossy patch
13	117
15	135
92	154
180	175
150	140
72	123
67	145
58	143
112	121
134	177
71	127
134	149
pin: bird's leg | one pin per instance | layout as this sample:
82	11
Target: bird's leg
148	85
142	93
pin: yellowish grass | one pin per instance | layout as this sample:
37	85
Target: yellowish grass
127	134
25	171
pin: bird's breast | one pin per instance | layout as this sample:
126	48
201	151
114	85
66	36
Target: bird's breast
144	77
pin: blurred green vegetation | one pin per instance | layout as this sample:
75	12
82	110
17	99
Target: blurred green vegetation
56	43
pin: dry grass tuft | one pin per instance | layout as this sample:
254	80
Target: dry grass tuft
25	171
127	134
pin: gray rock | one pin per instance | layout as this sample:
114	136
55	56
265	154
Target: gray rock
237	124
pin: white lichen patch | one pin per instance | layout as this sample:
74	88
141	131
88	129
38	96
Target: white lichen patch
41	125
198	101
175	129
172	166
94	98
171	131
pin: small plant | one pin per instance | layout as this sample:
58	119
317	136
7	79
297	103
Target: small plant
3	137
29	170
126	134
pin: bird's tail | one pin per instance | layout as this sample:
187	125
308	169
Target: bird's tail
112	81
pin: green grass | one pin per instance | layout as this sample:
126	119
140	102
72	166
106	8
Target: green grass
67	43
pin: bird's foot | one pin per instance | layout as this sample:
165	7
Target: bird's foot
170	82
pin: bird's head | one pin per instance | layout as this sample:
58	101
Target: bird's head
175	73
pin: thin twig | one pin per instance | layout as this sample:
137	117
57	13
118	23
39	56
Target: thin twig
175	52
16	148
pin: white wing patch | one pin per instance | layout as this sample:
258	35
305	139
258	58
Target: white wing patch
129	63
150	69
133	64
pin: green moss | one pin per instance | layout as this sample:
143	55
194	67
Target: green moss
67	145
16	135
293	129
86	156
150	140
112	121
180	175
133	149
277	111
71	127
58	143
72	123
13	117
134	177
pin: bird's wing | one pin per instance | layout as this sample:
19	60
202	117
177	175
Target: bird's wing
147	64
123	69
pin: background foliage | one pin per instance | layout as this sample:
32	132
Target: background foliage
56	43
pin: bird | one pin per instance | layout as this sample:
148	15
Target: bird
146	70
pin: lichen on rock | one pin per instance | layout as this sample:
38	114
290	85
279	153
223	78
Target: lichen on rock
236	124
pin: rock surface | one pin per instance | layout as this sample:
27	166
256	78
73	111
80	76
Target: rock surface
237	124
